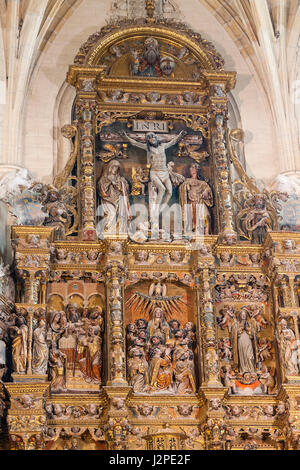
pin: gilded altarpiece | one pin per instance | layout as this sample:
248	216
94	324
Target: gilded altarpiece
161	309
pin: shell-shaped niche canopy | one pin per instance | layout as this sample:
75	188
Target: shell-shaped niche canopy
168	50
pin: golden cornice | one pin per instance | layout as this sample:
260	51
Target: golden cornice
159	248
20	388
75	267
238	249
287	255
76	401
33	251
18	230
74	422
77	72
154	421
30	307
162	247
238	269
226	78
288	273
80	246
150	107
30	412
119	391
254	400
280	236
140	84
160	268
165	400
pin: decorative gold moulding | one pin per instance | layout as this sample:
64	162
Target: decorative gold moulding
17	389
21	231
30	378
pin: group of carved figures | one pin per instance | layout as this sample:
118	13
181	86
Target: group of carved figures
68	344
196	198
161	355
15	332
34	203
76	345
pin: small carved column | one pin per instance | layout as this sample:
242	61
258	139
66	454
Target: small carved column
115	279
206	322
219	85
86	109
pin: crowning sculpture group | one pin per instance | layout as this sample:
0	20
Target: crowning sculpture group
150	295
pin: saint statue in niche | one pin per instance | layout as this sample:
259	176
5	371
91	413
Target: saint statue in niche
196	199
114	194
19	335
40	350
244	340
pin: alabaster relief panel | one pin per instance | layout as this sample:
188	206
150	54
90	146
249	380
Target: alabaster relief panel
147	166
246	344
75	332
161	338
